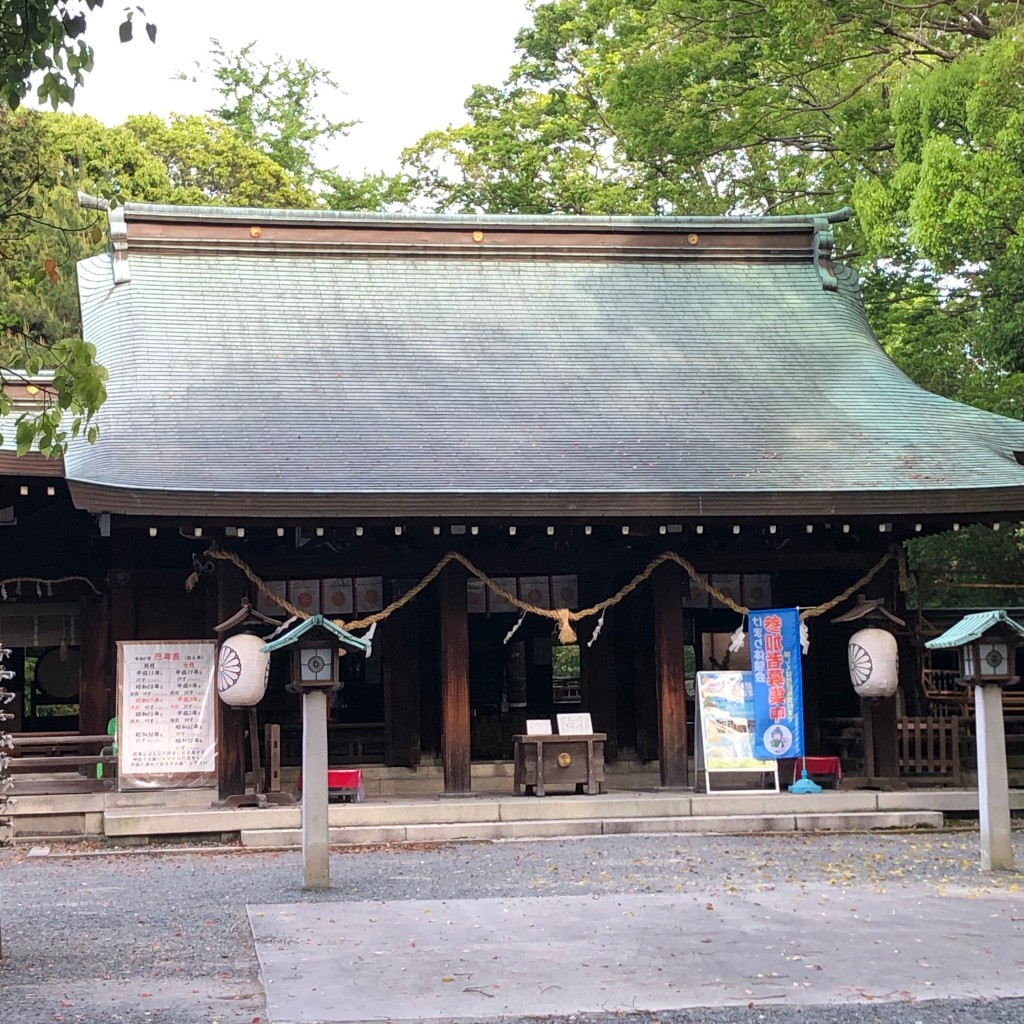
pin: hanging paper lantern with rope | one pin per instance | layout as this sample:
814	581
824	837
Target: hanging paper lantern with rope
874	663
242	670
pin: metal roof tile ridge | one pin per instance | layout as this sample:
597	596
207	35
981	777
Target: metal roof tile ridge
219	214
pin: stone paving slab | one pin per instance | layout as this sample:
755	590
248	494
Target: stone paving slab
789	945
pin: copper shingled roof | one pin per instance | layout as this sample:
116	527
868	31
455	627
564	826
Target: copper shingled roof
276	363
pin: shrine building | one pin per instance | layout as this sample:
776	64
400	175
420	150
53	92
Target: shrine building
335	401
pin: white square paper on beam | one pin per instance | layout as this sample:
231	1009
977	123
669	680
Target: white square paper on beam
575	725
538	727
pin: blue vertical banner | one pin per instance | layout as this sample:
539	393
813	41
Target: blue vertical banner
774	636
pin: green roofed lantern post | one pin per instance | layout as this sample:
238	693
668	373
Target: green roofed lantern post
316	646
987	644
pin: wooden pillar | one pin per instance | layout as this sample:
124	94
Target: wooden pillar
122	586
886	737
640	639
122	624
881	739
316	850
96	702
455	735
401	661
430	673
231	722
597	664
620	627
993	785
670	670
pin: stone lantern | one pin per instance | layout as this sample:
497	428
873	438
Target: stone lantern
316	645
986	643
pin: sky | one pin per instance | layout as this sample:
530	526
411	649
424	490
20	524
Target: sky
406	66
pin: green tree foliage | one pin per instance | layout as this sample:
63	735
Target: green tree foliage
44	37
41	233
533	151
207	162
278	108
911	112
974	568
260	148
957	196
40	229
705	106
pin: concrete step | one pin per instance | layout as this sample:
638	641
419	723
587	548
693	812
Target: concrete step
210	820
188	812
83	814
487	809
362	835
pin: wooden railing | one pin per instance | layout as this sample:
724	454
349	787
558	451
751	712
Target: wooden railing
347	743
930	746
944	694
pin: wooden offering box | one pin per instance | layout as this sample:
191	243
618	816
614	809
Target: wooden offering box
562	761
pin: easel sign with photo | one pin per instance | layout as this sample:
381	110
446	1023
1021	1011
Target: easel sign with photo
725	734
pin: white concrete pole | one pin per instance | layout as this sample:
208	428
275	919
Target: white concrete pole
993	782
316	851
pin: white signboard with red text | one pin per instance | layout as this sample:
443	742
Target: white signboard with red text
166	714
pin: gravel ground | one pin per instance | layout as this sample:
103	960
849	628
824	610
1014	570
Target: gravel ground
101	936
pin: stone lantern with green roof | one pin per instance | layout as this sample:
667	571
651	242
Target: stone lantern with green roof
987	643
316	646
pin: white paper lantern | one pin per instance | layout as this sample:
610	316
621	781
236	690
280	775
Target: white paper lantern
242	670
874	663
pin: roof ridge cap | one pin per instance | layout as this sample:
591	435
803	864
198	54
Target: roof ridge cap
214	214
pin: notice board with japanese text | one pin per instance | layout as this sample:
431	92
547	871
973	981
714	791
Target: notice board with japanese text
166	714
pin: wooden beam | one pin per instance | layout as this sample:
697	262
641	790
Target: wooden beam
673	750
455	735
96	701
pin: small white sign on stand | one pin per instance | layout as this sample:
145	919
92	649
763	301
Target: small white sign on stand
575	725
538	727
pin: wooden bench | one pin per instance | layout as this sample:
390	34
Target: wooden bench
54	752
58	763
